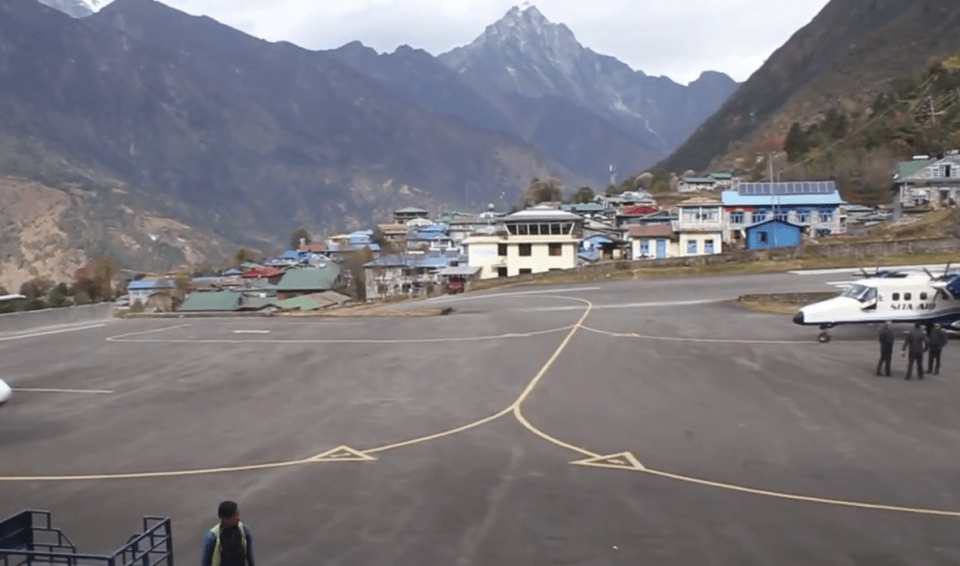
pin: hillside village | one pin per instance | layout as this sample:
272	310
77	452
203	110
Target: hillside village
418	254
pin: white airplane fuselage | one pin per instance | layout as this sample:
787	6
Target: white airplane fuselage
5	392
914	297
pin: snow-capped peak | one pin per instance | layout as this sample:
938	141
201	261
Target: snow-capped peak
77	8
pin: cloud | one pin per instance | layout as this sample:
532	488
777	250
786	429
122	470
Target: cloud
675	39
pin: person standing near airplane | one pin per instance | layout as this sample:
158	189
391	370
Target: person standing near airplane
916	340
886	347
938	339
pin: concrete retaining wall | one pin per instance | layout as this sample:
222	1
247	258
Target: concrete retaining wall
17	321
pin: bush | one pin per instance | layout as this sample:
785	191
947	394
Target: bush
137	306
35	304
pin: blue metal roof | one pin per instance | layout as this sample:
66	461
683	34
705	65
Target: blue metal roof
435	227
291	254
773	220
146	284
734	198
598	239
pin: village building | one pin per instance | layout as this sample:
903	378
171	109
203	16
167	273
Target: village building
924	183
814	205
772	233
654	241
534	240
700	226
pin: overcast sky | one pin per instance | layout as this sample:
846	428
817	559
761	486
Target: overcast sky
678	39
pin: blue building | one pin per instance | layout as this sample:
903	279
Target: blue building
772	233
814	205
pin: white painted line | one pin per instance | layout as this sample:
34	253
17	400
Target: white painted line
871	268
342	341
251	332
49	332
625	305
118	337
36	390
472	297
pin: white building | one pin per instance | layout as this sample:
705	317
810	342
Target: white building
700	226
535	240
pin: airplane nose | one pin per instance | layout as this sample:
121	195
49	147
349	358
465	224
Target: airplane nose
798	318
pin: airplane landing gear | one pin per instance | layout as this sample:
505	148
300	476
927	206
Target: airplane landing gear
824	337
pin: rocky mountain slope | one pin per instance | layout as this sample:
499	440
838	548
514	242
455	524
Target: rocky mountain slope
845	57
525	54
569	133
258	138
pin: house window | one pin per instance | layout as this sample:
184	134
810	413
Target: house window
502	250
526	271
708	247
803	217
501	272
764	237
783	216
556	249
759	215
736	217
826	215
692	247
524	249
645	247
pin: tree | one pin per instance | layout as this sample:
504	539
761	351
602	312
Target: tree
794	145
583	196
137	306
543	190
299	236
104	270
244	255
354	264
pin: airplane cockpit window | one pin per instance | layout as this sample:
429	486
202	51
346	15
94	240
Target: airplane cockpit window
861	293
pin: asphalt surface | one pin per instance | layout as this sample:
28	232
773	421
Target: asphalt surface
736	437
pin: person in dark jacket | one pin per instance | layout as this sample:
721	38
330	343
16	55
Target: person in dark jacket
228	543
916	341
886	347
938	339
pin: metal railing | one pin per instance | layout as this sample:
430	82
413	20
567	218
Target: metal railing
21	543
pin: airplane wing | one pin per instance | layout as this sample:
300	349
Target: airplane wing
11	297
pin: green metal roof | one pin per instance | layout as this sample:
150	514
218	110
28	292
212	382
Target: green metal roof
257	303
907	169
302	303
698	180
309	278
721	175
211	301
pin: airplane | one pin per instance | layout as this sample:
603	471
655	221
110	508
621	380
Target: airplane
5	391
897	296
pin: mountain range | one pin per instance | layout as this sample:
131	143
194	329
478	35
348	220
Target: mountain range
851	52
240	140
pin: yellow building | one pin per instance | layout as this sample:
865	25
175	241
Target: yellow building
535	240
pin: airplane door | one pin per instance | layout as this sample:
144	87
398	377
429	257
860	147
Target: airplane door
661	248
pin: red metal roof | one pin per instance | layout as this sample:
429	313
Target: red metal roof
260	272
314	248
639	210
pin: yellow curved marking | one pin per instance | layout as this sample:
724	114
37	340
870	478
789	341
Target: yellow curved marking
795	497
517	405
173	473
513	406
